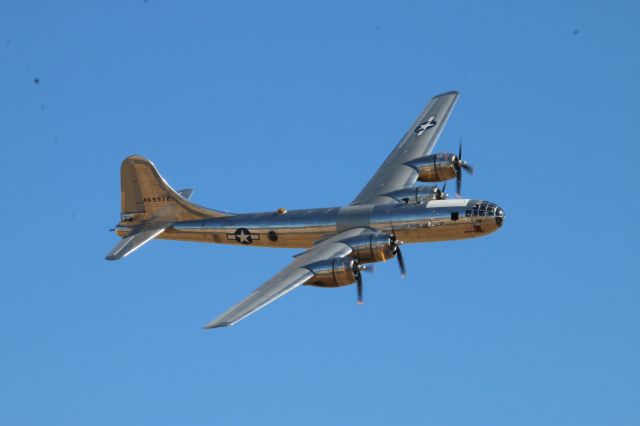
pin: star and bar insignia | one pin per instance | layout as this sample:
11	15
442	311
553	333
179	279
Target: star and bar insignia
243	236
425	125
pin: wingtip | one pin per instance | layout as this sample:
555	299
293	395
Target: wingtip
215	324
450	92
115	255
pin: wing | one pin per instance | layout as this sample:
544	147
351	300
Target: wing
291	277
417	142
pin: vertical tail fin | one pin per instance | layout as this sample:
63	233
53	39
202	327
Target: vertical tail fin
150	206
147	197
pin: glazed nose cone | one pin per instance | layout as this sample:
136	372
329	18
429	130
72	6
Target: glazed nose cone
499	216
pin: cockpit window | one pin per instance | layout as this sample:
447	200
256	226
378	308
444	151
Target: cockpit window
484	209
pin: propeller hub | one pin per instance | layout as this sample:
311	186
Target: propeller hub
499	216
356	268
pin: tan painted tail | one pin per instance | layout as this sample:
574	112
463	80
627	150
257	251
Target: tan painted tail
147	197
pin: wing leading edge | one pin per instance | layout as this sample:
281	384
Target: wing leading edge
417	142
291	277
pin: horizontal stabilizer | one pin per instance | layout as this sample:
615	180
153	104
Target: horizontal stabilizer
136	239
185	193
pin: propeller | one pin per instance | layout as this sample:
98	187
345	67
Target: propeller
443	195
403	270
398	253
460	165
359	279
357	271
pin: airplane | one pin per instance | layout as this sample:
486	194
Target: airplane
340	242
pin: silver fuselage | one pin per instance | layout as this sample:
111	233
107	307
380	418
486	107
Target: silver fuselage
434	220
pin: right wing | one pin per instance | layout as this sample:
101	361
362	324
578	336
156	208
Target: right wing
291	277
417	142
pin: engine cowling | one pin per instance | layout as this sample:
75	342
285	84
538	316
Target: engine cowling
417	194
336	272
372	248
436	167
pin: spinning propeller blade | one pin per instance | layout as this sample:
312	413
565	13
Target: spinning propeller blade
461	165
398	253
403	270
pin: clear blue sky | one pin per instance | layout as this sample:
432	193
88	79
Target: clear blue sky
259	106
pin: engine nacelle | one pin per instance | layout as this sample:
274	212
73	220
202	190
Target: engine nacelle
436	167
417	194
372	248
336	272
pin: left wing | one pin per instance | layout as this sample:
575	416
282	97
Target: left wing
417	142
291	277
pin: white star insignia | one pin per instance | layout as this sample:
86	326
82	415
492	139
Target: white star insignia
426	125
243	237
